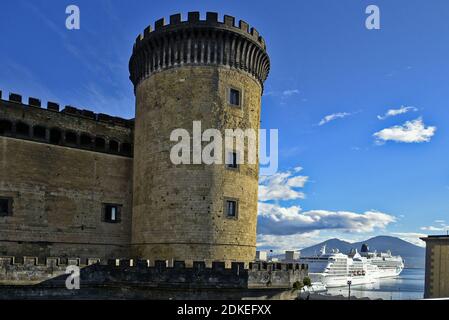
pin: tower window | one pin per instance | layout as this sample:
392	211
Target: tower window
100	143
5	126
5	207
86	140
113	146
55	136
39	132
231	162
231	208
111	213
22	129
71	137
234	97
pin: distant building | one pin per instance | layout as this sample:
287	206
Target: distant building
261	256
291	256
437	266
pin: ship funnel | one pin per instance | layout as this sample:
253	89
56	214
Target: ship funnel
365	248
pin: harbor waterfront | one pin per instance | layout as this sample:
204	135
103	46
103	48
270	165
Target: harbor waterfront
409	285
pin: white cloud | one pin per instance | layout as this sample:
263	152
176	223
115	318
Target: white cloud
441	226
432	228
410	132
395	112
411	237
282	185
290	92
283	94
297	182
282	226
277	220
332	117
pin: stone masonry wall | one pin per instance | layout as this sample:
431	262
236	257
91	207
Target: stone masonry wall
90	131
179	209
181	275
58	190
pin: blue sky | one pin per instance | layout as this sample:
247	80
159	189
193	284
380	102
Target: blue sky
324	62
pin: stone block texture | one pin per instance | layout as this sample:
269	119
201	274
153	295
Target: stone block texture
58	189
60	168
183	72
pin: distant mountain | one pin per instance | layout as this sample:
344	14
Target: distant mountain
414	256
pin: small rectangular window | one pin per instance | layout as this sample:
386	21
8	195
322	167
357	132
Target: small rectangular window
234	97
5	206
232	160
231	208
111	213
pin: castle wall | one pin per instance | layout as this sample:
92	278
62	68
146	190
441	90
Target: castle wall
60	169
179	209
87	129
58	190
46	278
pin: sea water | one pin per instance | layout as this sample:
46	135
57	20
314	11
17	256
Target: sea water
409	285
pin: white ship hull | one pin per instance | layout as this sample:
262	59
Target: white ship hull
390	273
334	281
336	269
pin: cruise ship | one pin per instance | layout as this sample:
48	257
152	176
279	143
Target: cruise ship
389	265
335	269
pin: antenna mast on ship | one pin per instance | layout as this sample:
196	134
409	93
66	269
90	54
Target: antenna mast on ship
323	250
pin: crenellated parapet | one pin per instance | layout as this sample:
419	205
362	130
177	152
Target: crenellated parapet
70	127
160	264
159	273
196	42
48	262
69	110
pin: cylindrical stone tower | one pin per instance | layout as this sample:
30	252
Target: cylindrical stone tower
186	71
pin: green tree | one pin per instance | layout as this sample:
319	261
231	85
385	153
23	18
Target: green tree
298	285
307	282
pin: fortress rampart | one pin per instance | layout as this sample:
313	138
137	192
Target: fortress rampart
145	278
77	183
59	171
70	127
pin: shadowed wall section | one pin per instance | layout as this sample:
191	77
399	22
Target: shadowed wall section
58	183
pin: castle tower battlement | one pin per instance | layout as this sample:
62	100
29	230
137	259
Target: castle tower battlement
68	126
183	72
198	42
